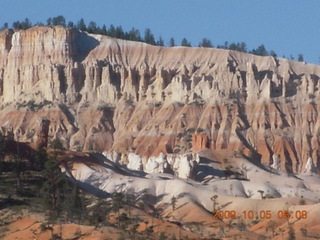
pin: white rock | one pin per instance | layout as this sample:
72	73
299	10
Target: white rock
182	166
309	168
156	164
276	162
135	162
112	156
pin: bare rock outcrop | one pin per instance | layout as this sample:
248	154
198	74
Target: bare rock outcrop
199	141
180	165
156	164
309	168
135	161
276	162
41	139
106	94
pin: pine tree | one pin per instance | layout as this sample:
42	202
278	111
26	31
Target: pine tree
57	144
2	150
300	58
59	20
291	234
81	25
73	204
206	43
49	21
260	51
92	27
39	160
185	43
149	37
70	24
104	30
118	201
160	42
119	33
173	203
112	31
52	188
171	42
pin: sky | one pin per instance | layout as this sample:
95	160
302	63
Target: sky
288	27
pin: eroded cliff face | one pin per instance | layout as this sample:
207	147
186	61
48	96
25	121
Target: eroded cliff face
106	94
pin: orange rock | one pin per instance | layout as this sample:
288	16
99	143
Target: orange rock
106	94
199	142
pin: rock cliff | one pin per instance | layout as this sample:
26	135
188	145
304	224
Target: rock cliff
106	94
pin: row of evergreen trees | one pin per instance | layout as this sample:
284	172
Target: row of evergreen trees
134	35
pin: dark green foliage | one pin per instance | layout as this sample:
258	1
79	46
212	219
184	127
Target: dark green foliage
118	201
134	35
2	148
302	201
18	169
81	25
304	232
241	47
300	58
160	42
185	43
291	234
74	205
33	106
206	43
119	33
22	25
39	159
112	31
241	226
272	53
260	51
171	42
98	213
149	37
173	203
52	189
70	25
59	20
162	236
49	21
5	26
124	220
199	130
191	130
57	144
92	27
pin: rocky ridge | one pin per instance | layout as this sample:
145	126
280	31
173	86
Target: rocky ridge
111	95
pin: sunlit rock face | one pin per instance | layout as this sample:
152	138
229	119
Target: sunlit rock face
180	165
110	95
135	162
276	162
309	168
156	164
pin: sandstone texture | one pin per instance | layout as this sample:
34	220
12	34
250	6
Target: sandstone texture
110	95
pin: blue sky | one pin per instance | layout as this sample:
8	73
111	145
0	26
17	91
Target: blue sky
289	27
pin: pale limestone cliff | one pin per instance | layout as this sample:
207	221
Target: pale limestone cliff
309	168
276	162
106	94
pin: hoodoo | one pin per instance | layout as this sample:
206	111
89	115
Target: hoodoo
111	95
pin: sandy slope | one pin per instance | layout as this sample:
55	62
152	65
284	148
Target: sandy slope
194	205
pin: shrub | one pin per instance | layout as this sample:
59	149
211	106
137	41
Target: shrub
302	201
